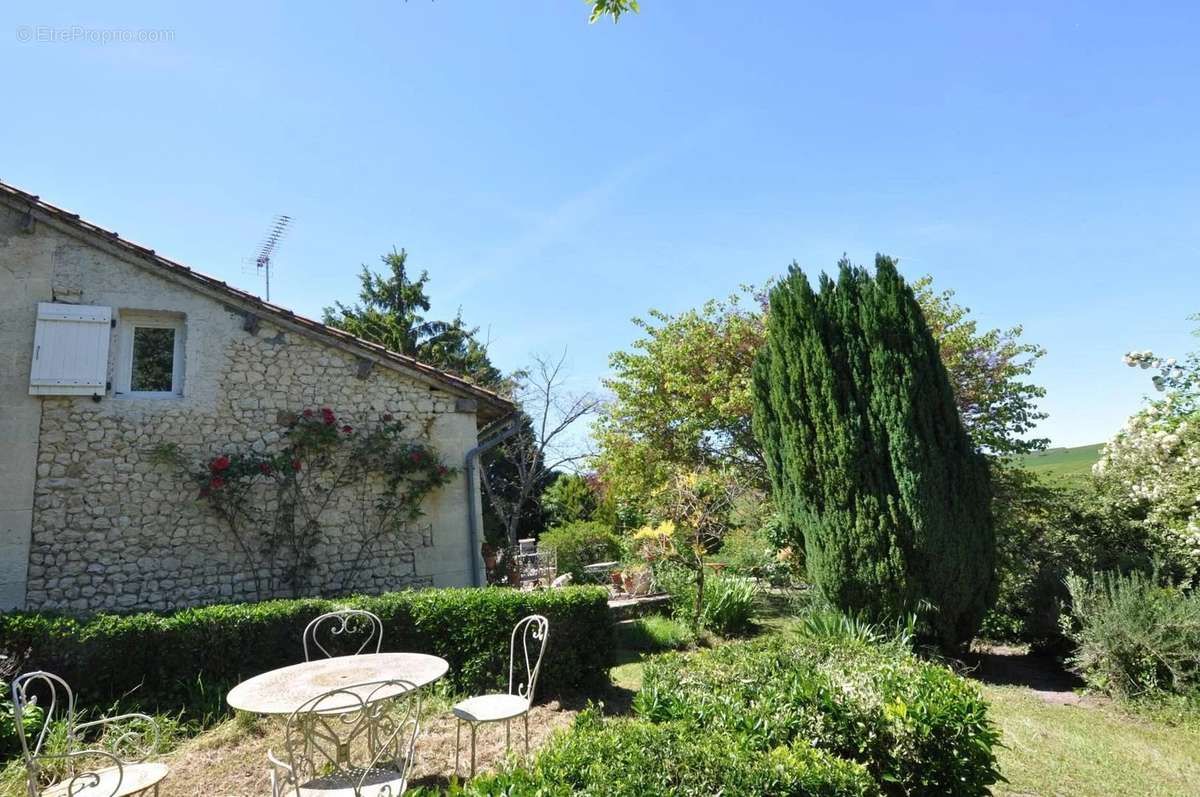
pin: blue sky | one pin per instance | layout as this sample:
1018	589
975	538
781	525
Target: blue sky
557	178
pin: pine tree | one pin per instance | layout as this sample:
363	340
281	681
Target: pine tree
391	313
869	461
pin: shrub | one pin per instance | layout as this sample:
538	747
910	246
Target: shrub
10	745
1135	637
628	757
869	460
729	604
156	660
1044	532
580	544
749	552
826	624
653	633
729	601
917	728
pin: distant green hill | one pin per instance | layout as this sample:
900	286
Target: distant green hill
1067	464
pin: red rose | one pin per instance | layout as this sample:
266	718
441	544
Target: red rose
216	483
347	428
415	456
219	464
297	464
387	417
328	416
265	467
308	413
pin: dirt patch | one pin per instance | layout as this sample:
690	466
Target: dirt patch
435	750
231	759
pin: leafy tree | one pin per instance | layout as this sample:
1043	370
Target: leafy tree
391	312
988	371
681	396
870	463
611	8
682	399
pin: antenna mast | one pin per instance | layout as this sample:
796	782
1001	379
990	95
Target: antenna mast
275	234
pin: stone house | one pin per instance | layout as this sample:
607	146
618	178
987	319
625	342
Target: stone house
110	352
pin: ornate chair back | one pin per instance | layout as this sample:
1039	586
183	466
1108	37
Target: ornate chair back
342	629
526	648
360	736
45	703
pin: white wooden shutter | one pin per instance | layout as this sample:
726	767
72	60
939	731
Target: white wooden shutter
70	350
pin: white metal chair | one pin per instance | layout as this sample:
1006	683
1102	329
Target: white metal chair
532	632
343	623
355	741
58	762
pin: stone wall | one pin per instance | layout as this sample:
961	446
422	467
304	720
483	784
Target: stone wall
113	527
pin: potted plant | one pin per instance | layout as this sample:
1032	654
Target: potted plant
637	580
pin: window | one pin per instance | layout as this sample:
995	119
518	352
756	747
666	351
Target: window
150	362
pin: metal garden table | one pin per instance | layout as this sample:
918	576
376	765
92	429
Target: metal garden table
284	690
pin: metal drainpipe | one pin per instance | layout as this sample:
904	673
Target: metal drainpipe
509	428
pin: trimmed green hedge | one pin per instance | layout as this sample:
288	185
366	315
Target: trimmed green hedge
797	715
919	729
161	661
627	757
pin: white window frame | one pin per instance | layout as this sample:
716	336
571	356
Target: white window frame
129	321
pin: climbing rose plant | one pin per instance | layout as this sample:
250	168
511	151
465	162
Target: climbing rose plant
1151	467
278	504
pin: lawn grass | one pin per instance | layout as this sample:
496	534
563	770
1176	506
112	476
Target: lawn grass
1071	465
1090	751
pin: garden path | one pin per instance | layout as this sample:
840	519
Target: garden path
1002	665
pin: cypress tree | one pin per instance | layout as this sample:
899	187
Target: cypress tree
869	461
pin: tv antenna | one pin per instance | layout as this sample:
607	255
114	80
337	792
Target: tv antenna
275	233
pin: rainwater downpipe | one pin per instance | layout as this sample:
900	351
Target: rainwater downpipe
472	463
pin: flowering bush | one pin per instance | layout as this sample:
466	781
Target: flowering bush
277	504
1151	468
654	542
